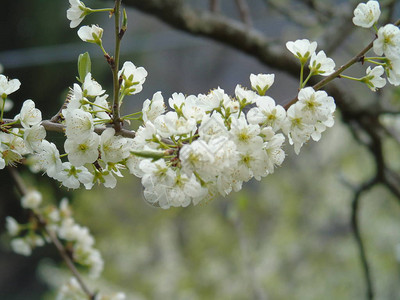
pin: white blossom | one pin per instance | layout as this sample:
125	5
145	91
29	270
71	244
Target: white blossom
71	176
171	124
176	101
133	78
91	87
297	127
34	136
302	49
84	151
392	69
215	98
373	78
321	65
153	108
243	134
21	246
366	14
388	42
31	200
71	290
275	153
8	87
76	13
245	96
2	161
48	158
91	34
101	106
316	106
191	109
8	105
78	124
196	157
29	115
12	226
113	148
267	113
261	82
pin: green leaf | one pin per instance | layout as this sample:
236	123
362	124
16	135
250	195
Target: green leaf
155	155
84	66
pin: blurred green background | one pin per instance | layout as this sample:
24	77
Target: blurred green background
286	237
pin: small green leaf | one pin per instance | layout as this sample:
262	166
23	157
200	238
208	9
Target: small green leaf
124	20
84	66
155	155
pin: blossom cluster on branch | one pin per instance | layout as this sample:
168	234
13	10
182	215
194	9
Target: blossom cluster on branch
194	149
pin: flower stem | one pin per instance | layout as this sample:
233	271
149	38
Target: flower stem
99	106
301	75
351	78
2	108
306	80
133	114
101	10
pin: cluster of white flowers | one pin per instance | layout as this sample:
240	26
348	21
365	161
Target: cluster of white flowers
387	44
72	290
60	221
204	146
208	145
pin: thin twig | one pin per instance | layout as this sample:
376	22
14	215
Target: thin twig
244	12
69	263
357	235
57	127
22	189
58	116
214	6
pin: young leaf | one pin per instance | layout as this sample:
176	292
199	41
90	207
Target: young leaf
84	66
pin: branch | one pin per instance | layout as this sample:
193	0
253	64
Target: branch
244	12
214	5
357	235
19	183
57	127
219	28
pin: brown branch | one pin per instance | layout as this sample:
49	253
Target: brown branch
219	28
70	263
357	235
22	189
244	12
214	6
291	15
57	127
